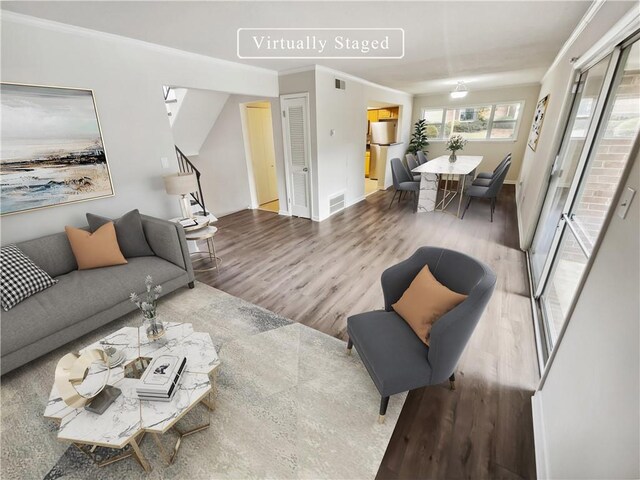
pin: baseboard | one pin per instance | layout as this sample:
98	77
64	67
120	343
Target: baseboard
511	182
538	436
519	218
357	200
284	213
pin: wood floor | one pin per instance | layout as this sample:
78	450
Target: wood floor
320	273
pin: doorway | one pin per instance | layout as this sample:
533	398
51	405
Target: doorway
382	128
262	155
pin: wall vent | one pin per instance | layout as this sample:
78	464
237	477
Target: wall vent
340	84
336	203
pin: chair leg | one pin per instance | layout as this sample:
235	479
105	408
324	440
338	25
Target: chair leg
393	198
493	205
384	402
466	208
452	381
349	346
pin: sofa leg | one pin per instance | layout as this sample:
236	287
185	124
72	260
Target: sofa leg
192	284
349	346
384	402
452	381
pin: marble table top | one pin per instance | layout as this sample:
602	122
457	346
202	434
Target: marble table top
128	416
441	165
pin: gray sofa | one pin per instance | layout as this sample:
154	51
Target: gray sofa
83	300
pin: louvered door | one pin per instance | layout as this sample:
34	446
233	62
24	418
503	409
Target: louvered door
295	123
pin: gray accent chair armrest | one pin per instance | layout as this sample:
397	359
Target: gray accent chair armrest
396	359
168	241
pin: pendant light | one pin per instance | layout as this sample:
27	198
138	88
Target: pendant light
460	91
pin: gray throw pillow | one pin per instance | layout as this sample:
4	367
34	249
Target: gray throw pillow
129	231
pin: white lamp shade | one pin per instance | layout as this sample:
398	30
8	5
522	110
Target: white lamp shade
181	183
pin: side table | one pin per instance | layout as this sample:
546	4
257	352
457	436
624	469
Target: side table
206	234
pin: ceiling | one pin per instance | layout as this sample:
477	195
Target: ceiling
486	44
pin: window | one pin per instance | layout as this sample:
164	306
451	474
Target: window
498	121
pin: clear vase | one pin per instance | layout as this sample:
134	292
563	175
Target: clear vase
154	328
452	157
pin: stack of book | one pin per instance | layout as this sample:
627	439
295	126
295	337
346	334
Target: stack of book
161	378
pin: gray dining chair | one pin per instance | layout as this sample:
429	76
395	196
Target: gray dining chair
422	158
402	182
491	191
412	163
484	178
396	359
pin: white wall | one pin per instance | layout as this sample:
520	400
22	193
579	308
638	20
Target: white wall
127	78
557	83
587	413
198	111
337	161
341	156
223	162
492	151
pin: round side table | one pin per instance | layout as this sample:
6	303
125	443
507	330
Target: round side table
201	255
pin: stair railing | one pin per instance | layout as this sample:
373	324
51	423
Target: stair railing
186	166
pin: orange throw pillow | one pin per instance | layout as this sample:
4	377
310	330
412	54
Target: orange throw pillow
97	249
424	302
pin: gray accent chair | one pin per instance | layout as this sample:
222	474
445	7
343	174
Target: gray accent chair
484	178
411	163
491	191
402	182
422	158
84	300
396	359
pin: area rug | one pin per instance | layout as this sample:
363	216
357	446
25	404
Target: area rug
291	404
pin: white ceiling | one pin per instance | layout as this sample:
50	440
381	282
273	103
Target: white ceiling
486	44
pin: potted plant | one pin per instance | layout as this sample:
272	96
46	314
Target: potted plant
455	143
148	306
418	137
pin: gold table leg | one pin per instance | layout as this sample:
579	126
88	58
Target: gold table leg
89	451
206	401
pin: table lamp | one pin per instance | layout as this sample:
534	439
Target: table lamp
182	184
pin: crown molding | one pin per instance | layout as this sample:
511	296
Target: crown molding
353	78
21	19
582	24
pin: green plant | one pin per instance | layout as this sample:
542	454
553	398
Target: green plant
418	137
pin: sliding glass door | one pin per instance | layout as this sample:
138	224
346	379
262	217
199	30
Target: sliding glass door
595	156
586	92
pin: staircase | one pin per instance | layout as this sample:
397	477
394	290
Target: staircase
186	166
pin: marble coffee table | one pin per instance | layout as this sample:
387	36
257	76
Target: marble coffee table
128	419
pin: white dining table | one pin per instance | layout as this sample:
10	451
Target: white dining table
440	168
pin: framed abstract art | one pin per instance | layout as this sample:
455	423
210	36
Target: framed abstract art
51	151
536	126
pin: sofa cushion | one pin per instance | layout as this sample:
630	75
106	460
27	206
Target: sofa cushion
97	249
394	356
21	278
51	253
77	296
129	231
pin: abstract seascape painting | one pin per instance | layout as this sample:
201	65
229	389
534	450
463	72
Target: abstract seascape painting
51	150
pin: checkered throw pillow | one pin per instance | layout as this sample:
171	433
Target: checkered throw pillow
20	277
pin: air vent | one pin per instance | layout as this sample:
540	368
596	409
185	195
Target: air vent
336	203
340	84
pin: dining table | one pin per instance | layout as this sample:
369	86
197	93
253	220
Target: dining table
434	172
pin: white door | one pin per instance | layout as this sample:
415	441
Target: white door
295	123
262	153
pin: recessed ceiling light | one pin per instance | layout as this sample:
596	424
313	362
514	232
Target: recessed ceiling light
460	91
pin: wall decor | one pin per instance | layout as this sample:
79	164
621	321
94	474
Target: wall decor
536	126
51	149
